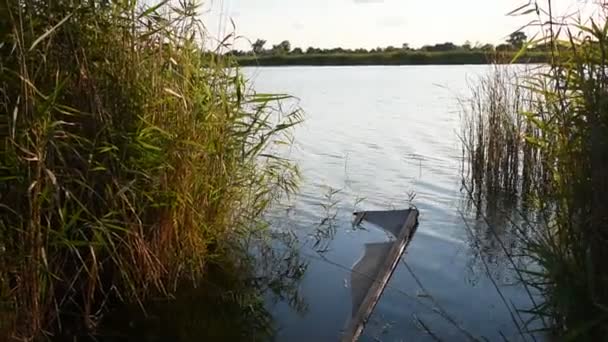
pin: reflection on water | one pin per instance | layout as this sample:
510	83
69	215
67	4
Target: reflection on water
491	237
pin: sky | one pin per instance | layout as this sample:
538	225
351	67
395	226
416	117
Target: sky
368	23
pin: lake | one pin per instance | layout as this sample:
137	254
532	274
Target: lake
383	137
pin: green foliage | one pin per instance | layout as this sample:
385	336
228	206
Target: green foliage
562	162
487	47
258	46
443	53
130	158
282	48
517	39
409	57
447	46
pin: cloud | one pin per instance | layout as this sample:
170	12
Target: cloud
368	1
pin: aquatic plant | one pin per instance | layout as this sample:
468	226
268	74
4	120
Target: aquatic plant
562	163
493	132
130	157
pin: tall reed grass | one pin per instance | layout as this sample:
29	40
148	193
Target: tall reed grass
130	156
554	150
494	130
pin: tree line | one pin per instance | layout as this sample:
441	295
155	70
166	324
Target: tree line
260	48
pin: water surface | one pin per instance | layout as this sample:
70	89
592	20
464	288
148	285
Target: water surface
386	137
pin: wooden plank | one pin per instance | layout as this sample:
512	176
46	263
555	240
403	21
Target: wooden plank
355	328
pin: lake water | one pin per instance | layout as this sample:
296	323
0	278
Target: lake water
380	138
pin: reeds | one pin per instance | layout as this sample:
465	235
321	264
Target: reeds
129	156
561	162
493	132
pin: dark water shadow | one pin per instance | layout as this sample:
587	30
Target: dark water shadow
229	304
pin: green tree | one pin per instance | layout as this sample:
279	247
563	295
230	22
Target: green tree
517	39
504	47
390	48
447	46
258	46
282	47
297	51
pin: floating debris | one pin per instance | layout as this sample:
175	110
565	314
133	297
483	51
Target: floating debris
372	272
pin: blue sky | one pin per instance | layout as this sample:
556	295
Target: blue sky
368	23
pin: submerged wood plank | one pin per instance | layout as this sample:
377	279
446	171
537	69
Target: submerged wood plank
358	321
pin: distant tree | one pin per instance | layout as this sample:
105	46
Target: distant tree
467	45
487	47
542	47
517	39
297	51
361	51
405	46
390	48
447	46
504	47
258	46
282	47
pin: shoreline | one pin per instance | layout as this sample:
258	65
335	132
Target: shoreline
392	59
